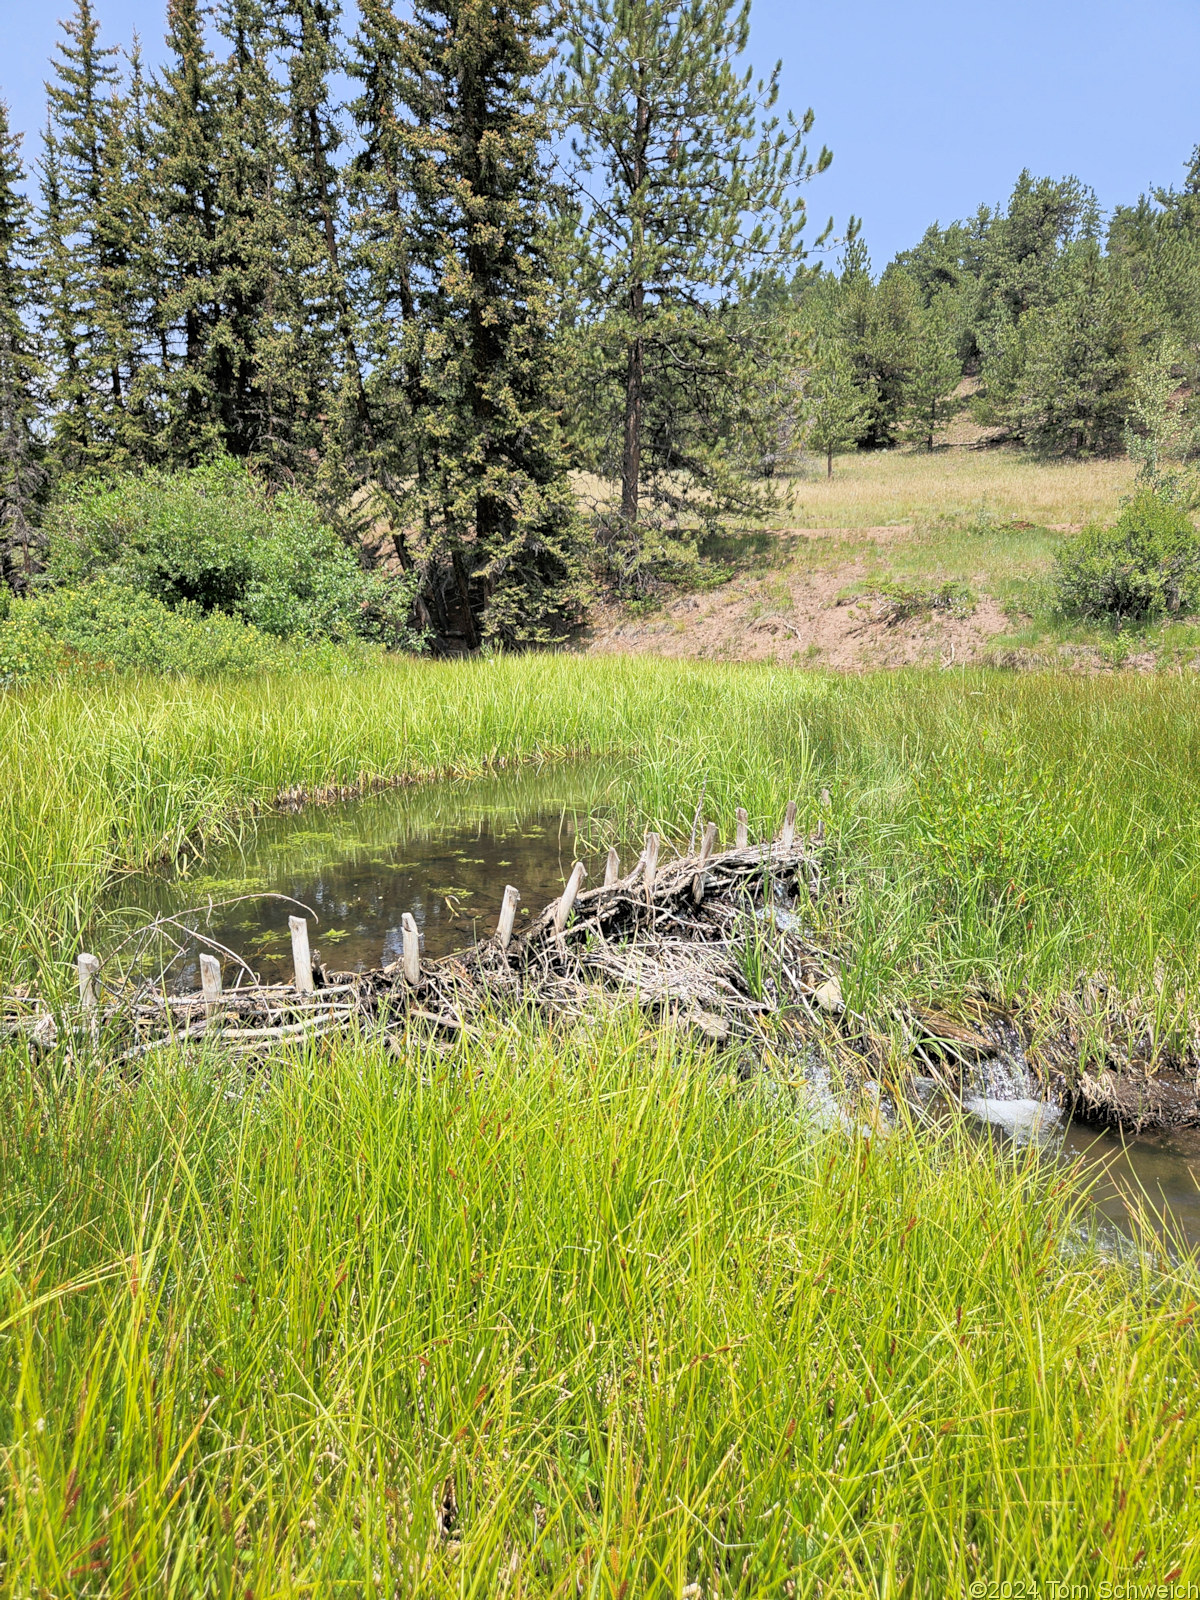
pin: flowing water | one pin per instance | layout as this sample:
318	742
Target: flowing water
445	851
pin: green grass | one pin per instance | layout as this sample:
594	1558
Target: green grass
624	1319
1012	833
649	1328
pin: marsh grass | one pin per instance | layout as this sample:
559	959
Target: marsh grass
561	1312
91	782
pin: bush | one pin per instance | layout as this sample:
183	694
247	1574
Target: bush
104	625
217	539
1146	566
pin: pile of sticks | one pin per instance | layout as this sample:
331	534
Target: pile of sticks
716	936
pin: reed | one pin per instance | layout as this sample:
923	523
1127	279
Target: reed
559	1312
1013	833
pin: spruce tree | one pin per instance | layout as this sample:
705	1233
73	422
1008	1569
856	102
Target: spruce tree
380	275
494	518
185	157
94	301
686	197
262	392
22	474
317	207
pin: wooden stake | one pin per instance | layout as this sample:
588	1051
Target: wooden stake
789	826
567	899
508	915
88	968
301	955
743	828
650	861
707	845
612	868
412	948
210	983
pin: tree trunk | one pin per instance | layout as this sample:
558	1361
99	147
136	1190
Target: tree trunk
829	463
631	454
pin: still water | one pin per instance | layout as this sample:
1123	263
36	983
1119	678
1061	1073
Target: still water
441	851
444	852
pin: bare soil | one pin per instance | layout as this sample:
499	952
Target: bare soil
790	617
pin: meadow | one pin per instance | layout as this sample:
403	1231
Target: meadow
575	1307
568	1312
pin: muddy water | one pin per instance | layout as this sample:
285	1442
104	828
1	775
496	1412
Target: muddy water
445	851
1155	1172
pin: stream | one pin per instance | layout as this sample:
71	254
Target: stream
445	851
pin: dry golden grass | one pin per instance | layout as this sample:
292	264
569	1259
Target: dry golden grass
873	488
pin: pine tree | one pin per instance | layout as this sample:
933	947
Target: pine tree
22	474
836	406
685	198
496	528
1079	357
934	370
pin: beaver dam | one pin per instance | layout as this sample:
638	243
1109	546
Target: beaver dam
725	942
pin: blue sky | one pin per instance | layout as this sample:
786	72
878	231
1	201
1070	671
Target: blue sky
929	106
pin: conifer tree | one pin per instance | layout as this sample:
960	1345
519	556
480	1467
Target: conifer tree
685	197
491	498
836	406
22	474
380	269
934	369
261	389
96	302
317	203
185	158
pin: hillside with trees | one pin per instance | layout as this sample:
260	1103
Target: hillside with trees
431	272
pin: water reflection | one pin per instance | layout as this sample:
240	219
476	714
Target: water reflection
443	852
1156	1172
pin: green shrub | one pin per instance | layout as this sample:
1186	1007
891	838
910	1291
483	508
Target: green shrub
103	625
1146	566
218	539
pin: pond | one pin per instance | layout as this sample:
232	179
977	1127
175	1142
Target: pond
440	851
444	852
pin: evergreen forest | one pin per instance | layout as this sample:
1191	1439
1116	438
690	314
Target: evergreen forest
425	326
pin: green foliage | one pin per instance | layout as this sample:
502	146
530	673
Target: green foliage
685	198
834	404
22	475
1146	566
569	1304
994	825
488	516
906	600
217	538
106	625
1078	357
935	369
